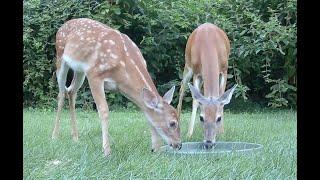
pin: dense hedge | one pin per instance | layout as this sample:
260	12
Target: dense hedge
262	35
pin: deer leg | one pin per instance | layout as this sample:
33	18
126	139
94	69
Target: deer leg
61	73
72	90
187	74
195	105
223	84
97	90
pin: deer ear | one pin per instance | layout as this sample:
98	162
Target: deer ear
169	95
196	94
149	99
226	97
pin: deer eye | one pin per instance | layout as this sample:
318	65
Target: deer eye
201	119
173	124
218	119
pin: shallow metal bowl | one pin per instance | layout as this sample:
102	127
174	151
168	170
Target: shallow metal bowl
219	148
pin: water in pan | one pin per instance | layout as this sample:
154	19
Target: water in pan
220	147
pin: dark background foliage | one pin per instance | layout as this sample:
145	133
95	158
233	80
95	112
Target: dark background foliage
262	35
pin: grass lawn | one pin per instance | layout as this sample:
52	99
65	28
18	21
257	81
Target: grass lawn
131	144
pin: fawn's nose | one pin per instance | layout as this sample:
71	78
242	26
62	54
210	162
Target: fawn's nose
177	146
208	144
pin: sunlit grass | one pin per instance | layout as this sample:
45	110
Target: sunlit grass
131	144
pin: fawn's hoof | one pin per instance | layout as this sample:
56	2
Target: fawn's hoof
75	137
107	152
154	150
189	134
54	136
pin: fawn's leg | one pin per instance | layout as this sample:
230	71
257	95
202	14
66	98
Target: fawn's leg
72	90
61	73
223	84
195	105
187	74
97	90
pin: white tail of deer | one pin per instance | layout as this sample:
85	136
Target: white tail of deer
206	57
110	60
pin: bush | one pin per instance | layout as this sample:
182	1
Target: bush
262	35
263	58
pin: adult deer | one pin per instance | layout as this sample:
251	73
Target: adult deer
110	60
206	57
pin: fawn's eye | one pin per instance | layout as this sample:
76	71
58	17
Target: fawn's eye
173	124
201	119
218	119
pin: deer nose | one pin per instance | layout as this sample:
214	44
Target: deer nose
177	146
208	144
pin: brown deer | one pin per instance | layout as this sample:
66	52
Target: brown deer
110	60
206	57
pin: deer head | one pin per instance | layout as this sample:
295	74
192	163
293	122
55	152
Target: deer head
162	116
211	114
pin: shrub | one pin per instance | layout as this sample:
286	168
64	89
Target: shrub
262	35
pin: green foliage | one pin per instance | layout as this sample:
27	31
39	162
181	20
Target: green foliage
262	36
263	48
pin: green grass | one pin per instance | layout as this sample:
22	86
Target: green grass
131	143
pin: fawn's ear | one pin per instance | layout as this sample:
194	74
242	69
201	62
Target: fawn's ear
196	94
169	95
150	100
226	97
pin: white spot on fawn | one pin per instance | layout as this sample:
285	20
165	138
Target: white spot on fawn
113	56
112	42
103	67
102	54
118	32
98	45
